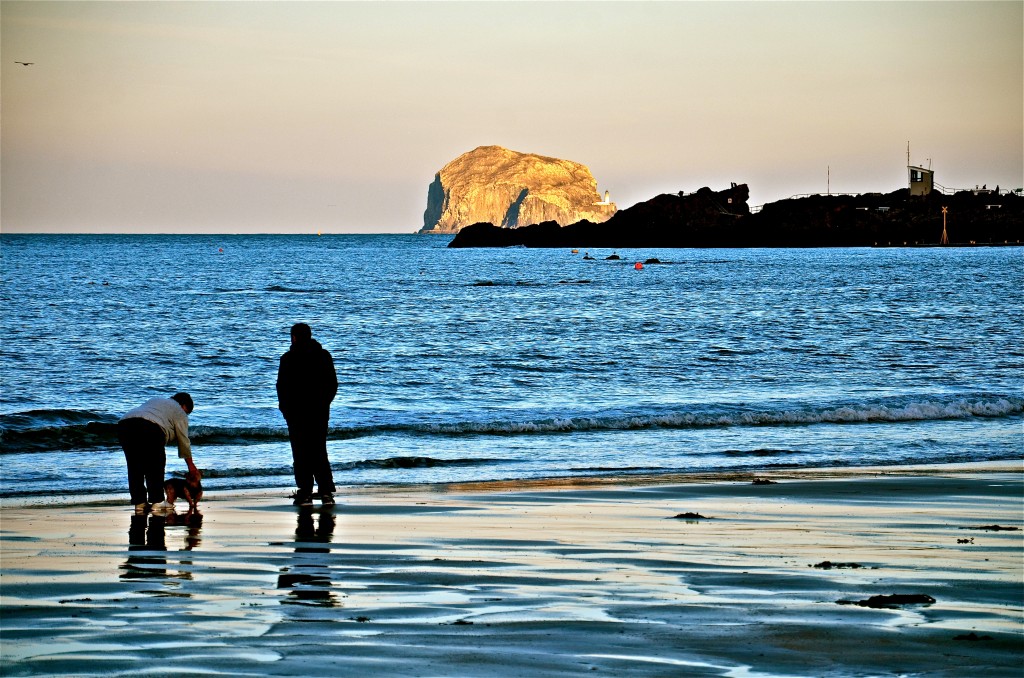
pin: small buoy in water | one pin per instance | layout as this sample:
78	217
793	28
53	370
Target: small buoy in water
638	266
220	249
575	251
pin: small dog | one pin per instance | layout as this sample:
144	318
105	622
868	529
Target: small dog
188	488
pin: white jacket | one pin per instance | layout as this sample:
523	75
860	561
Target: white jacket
169	416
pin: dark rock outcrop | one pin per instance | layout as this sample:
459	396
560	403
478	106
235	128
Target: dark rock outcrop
668	220
886	219
722	219
893	601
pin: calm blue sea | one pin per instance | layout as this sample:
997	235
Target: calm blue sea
487	364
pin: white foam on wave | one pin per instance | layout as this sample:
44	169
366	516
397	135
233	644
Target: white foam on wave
846	414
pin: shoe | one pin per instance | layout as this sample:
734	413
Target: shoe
327	499
163	505
141	508
303	500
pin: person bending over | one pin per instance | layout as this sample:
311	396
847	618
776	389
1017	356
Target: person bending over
144	432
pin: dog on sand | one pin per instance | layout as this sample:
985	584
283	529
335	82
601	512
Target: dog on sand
188	488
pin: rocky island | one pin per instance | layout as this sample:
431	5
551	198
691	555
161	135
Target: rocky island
510	189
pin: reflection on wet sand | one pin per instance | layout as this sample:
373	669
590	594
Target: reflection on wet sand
193	524
309	578
147	548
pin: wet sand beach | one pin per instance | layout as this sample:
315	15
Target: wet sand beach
685	575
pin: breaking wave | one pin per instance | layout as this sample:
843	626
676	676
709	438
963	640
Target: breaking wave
59	430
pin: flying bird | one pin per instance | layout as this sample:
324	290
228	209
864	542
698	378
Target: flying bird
25	63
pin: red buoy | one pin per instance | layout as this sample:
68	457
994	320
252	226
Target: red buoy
638	266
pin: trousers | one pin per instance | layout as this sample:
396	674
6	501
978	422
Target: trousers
308	437
143	444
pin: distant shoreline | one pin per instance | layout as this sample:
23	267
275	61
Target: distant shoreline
952	245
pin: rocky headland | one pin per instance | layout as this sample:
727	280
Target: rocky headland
709	218
510	189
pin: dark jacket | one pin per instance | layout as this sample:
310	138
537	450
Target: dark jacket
306	381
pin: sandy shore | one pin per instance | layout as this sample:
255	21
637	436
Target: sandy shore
543	579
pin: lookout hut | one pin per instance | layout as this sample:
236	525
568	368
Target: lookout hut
921	180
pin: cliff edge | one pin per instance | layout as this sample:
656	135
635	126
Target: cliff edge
510	189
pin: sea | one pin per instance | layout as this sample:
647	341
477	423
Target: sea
460	365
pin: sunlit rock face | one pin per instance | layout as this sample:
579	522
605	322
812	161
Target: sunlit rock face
509	189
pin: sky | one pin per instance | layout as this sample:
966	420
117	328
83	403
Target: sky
295	117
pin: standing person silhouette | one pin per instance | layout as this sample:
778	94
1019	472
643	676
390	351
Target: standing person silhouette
306	385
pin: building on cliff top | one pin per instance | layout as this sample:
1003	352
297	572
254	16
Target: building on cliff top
922	180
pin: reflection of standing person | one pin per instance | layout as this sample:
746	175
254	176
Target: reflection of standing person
309	578
143	434
306	385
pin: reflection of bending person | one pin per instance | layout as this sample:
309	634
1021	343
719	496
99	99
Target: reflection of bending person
306	385
147	548
146	534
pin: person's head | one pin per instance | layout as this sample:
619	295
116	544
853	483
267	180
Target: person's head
185	400
301	332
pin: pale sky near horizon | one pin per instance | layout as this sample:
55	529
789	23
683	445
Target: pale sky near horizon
294	117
